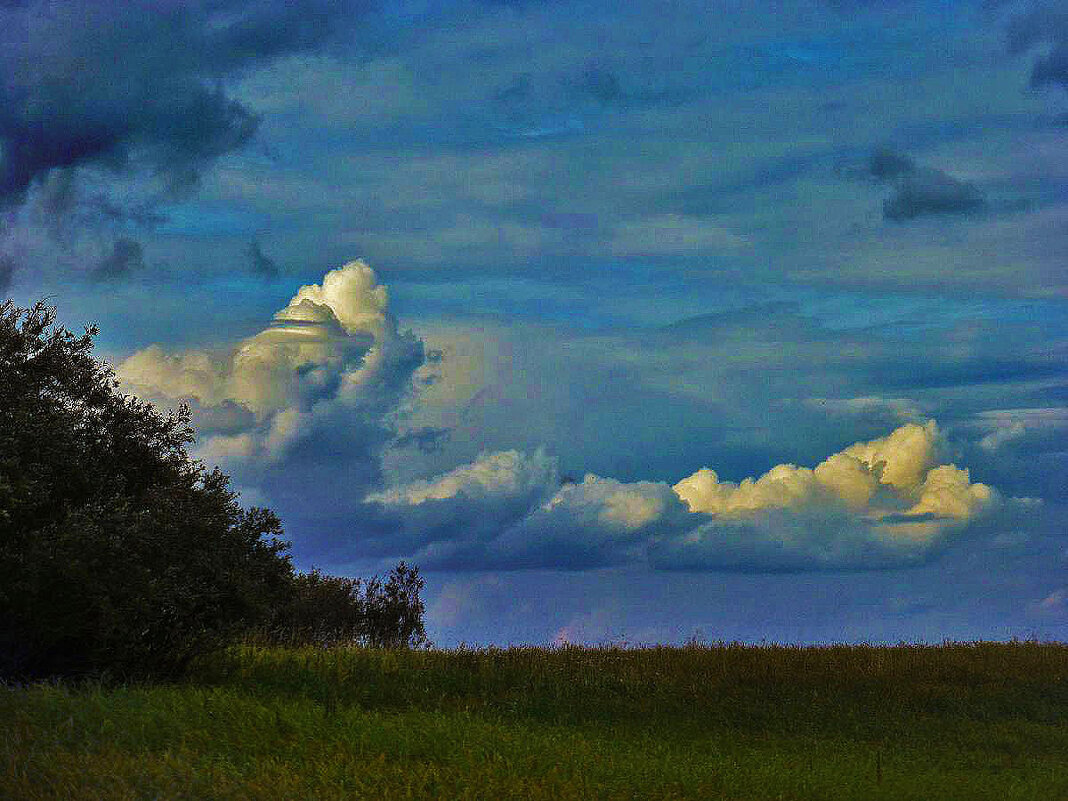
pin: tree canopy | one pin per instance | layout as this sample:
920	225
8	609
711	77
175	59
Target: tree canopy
121	554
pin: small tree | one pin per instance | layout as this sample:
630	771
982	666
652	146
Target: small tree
393	612
118	552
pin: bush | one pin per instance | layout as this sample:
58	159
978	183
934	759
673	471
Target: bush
331	610
118	553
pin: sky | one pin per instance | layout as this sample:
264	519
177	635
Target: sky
626	322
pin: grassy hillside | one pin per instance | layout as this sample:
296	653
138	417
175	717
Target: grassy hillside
958	721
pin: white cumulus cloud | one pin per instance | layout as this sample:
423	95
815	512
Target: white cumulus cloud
880	503
332	360
886	502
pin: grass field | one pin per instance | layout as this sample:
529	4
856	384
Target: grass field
956	721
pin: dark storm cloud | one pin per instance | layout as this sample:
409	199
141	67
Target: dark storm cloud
926	191
921	191
1043	25
888	165
137	83
126	257
260	263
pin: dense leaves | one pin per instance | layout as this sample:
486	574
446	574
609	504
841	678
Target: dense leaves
119	553
331	610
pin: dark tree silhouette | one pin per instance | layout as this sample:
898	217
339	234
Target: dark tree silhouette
393	612
330	610
118	553
121	555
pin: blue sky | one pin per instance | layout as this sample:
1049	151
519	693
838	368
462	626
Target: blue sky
624	322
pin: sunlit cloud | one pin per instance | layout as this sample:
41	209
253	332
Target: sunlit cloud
883	503
332	358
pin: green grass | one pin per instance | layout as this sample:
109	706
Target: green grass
958	721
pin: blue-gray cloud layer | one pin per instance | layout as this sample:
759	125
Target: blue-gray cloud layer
1043	24
644	237
503	138
111	83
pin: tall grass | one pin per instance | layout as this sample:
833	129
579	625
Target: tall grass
863	688
957	721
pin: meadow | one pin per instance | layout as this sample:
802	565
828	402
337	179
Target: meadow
953	721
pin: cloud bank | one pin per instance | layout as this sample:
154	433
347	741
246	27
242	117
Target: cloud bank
888	502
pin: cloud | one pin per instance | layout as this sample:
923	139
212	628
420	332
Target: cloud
601	84
921	191
595	523
667	235
1002	427
1055	604
260	263
463	599
883	503
320	383
886	164
427	439
7	272
925	191
126	257
898	409
1043	24
468	506
138	85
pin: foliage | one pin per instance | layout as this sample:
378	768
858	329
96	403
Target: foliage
957	722
393	612
121	554
321	610
331	610
118	552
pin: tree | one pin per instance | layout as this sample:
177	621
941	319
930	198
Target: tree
118	552
393	612
121	554
331	610
321	610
